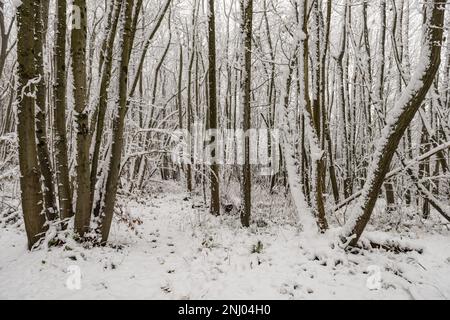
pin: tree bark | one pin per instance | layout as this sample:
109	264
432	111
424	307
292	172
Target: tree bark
32	200
118	125
83	189
41	113
59	114
103	96
247	29
399	119
212	116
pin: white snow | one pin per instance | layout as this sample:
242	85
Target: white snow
183	253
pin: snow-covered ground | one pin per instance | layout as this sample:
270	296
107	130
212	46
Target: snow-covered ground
181	252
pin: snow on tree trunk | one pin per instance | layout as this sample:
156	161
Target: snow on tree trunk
399	119
83	189
32	200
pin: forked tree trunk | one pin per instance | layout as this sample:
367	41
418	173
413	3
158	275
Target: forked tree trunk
106	68
118	125
310	127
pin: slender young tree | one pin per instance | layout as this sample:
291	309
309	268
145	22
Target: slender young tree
189	108
118	124
59	113
5	34
212	115
100	110
315	113
41	112
246	30
78	52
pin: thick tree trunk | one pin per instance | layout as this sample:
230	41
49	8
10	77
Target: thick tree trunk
32	199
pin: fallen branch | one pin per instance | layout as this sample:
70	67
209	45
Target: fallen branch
384	242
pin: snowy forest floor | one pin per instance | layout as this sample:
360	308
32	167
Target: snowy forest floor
179	251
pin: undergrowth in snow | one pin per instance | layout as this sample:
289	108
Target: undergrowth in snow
176	250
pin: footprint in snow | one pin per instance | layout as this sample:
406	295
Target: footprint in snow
166	289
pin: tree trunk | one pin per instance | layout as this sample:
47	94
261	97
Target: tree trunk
41	113
315	114
212	116
32	199
83	189
189	180
103	96
247	29
118	126
59	114
399	119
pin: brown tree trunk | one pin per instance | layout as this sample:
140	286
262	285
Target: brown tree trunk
247	29
189	180
402	115
32	199
424	169
106	67
118	125
316	113
212	116
83	189
59	114
41	113
5	33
